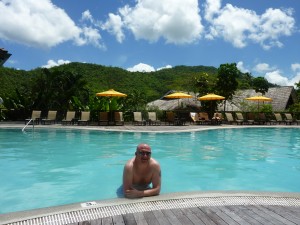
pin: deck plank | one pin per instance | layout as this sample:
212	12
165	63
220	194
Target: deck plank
182	217
171	217
213	216
130	219
118	220
193	217
150	218
275	215
266	216
226	218
107	221
200	214
207	215
240	211
287	213
162	220
235	216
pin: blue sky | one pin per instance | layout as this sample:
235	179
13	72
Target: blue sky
262	37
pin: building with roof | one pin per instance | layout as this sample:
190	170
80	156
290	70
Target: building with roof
282	98
4	55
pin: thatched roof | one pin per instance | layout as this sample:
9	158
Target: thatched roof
172	104
282	98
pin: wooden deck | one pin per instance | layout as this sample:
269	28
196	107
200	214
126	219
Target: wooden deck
226	215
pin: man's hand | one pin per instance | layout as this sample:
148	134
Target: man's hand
133	193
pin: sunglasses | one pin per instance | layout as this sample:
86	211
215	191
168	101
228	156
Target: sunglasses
144	153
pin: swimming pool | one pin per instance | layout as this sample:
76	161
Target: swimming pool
44	168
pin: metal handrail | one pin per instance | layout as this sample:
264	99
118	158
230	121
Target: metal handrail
28	124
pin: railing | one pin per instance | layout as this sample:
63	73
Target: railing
28	124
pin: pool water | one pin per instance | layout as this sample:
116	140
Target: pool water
52	167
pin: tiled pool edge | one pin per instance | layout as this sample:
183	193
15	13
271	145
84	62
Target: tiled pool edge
76	212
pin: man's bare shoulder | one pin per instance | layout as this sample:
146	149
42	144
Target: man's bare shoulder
129	163
154	163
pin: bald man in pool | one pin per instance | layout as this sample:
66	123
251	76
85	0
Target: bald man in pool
140	172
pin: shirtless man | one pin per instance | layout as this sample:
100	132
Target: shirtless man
139	172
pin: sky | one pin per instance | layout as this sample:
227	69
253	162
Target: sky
261	36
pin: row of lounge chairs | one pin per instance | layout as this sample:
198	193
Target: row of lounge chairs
261	119
116	118
36	117
71	119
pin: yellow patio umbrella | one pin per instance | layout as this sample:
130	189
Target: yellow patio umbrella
111	93
178	95
259	99
211	97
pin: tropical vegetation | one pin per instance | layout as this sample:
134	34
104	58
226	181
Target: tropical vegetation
74	86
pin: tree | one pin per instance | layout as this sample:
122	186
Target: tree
260	84
227	82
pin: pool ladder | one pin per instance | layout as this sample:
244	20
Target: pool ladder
28	124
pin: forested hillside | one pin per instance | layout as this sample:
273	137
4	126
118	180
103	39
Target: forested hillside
100	78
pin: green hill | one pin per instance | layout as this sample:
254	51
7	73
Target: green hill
100	78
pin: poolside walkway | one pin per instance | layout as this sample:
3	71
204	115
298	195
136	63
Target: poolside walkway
208	208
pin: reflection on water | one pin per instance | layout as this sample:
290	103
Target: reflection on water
82	165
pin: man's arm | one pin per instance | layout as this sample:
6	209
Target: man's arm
127	177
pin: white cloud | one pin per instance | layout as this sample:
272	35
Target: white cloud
276	77
87	16
263	67
165	67
141	67
295	66
212	7
114	26
41	24
240	26
52	63
240	66
176	21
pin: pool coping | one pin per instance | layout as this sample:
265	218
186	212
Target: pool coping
77	212
83	211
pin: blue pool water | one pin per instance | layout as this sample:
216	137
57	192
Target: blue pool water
44	168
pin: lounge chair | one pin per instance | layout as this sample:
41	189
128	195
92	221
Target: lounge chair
278	118
138	119
231	120
262	118
204	119
103	118
118	118
35	117
217	118
240	118
289	118
170	118
51	118
69	118
194	117
250	118
84	118
152	117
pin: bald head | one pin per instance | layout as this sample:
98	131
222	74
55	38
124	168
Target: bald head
143	147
